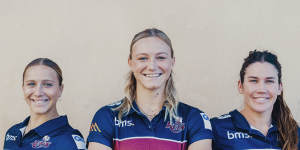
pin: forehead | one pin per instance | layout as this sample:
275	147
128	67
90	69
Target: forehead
261	69
40	72
150	45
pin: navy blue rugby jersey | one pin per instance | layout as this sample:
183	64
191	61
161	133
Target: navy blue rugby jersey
233	132
55	134
136	132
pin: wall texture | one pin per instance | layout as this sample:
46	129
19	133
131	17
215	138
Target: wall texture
90	40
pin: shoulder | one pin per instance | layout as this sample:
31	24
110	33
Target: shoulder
14	127
187	109
71	138
108	110
12	133
222	119
222	122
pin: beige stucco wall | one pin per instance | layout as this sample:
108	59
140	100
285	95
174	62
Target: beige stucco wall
90	40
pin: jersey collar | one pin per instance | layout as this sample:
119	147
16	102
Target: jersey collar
241	122
135	109
48	126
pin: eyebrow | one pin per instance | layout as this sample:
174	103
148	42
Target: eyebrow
155	54
253	77
42	81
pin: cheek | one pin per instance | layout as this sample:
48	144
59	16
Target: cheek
167	67
54	93
248	90
27	92
275	90
137	67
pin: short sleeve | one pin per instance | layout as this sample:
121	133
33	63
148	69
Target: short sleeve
298	138
199	127
71	141
101	129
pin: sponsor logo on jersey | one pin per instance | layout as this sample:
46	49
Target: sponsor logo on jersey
206	121
94	127
10	138
224	116
176	127
79	141
237	135
44	143
115	103
123	123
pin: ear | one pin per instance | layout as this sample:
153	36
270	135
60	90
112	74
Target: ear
240	87
173	61
130	63
61	88
280	89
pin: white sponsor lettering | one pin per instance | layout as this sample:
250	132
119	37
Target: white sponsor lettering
10	137
124	123
224	116
237	135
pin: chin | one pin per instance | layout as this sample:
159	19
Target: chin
40	111
262	109
152	86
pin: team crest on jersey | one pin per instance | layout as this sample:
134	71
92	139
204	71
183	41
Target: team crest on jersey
176	127
44	143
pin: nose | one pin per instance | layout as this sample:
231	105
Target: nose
38	91
152	65
261	88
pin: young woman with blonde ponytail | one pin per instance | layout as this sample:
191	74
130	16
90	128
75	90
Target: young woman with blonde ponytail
266	121
150	117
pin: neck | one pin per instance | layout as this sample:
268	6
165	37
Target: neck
150	102
259	120
38	119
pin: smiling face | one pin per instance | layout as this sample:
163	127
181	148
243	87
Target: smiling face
41	89
260	87
151	63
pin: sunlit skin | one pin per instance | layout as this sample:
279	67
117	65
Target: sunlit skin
41	91
260	90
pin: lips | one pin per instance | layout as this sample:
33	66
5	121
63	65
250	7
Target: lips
40	101
261	99
153	75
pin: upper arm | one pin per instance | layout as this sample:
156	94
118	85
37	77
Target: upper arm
199	127
98	146
70	141
201	144
102	128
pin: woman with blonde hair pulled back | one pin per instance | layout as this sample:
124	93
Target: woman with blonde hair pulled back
150	116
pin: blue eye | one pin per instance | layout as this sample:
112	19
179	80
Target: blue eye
270	81
161	57
48	84
31	84
142	58
253	81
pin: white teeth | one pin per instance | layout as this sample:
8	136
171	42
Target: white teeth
153	75
40	101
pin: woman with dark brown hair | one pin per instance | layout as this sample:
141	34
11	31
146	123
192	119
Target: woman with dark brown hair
150	116
266	121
